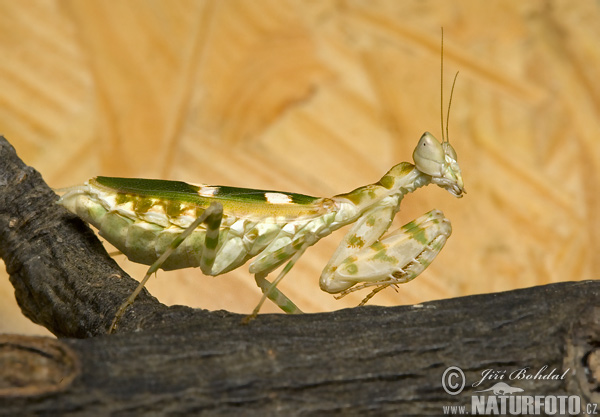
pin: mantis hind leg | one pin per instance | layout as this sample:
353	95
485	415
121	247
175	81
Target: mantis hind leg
212	216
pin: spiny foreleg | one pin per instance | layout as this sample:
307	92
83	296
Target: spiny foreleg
397	258
366	231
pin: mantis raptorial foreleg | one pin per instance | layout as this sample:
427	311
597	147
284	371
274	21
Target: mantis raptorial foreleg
365	231
212	216
394	259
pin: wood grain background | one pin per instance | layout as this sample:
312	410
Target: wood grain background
320	97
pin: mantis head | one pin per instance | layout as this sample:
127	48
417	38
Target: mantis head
439	161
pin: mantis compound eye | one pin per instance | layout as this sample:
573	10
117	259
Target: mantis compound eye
429	155
449	152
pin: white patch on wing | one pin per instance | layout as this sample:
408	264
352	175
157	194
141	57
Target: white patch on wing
278	198
208	191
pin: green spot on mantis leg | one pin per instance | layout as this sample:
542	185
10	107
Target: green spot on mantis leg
416	232
384	257
351	269
356	242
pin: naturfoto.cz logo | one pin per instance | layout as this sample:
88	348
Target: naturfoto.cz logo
499	393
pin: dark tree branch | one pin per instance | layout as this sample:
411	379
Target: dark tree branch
63	277
350	362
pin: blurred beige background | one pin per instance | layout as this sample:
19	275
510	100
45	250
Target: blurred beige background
320	97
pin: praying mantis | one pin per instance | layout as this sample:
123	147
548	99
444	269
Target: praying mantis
172	225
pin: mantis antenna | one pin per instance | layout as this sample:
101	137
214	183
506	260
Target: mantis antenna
445	138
